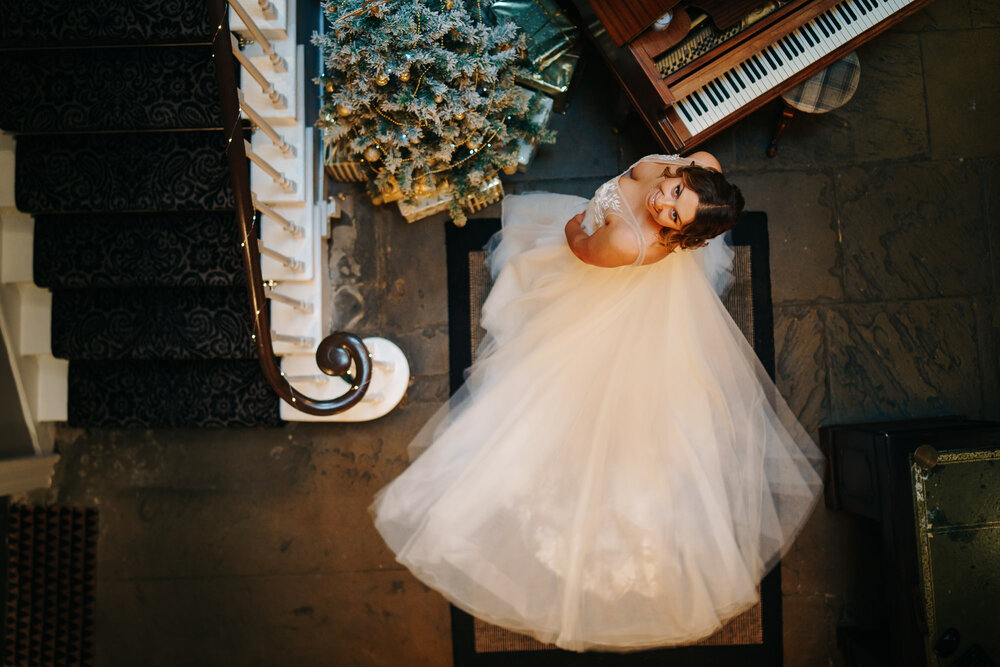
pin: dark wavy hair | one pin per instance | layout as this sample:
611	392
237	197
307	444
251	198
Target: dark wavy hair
719	206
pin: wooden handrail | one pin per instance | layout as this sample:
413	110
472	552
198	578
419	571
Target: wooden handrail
340	354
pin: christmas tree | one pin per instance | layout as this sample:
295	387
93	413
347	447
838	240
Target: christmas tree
424	92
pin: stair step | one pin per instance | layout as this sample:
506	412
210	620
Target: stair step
188	249
164	323
141	171
40	23
148	394
136	88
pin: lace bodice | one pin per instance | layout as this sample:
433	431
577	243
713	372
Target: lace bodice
609	200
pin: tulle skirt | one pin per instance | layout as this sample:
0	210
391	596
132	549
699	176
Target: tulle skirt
618	471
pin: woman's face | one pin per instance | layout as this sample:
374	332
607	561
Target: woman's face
671	203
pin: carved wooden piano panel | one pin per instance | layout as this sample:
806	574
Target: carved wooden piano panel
688	91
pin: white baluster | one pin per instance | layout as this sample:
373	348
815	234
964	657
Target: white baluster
301	341
276	61
267	9
277	99
276	176
265	127
298	304
295	230
288	262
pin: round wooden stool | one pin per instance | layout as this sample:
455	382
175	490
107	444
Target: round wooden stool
826	90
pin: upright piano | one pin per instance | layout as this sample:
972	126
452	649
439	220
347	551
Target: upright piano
697	77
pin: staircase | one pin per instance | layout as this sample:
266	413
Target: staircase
122	190
120	159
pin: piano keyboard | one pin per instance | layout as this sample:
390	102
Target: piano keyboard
781	60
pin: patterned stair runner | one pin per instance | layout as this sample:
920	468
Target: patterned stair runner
52	23
134	88
121	160
187	249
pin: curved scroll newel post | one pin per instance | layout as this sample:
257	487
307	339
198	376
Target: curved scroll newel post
338	353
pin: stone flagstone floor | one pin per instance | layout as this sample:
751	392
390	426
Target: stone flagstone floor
235	547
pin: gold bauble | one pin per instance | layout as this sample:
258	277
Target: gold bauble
448	4
404	76
460	116
329	86
423	187
510	169
474	142
438	99
343	110
381	79
372	154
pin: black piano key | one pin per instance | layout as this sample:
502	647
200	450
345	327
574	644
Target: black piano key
739	80
812	32
701	103
767	57
761	67
797	43
719	94
784	49
774	56
860	4
822	25
710	95
792	44
749	72
833	19
684	112
722	87
710	88
732	82
850	12
692	105
843	14
805	35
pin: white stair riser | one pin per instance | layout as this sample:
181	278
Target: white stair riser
17	233
46	382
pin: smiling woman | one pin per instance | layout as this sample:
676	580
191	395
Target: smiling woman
658	205
583	486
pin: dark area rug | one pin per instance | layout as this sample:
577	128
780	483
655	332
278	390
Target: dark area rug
752	639
51	580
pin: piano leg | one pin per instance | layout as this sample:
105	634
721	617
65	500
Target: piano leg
783	120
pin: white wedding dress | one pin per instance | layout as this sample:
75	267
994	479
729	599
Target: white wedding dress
618	471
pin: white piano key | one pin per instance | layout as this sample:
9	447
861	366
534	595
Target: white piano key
826	33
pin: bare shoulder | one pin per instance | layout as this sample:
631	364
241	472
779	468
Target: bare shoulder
706	159
619	245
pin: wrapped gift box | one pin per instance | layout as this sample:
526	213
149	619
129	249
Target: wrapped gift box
489	193
526	149
558	79
340	164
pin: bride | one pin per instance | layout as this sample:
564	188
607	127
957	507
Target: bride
617	472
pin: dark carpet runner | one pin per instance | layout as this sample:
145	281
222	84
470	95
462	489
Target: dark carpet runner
121	160
752	639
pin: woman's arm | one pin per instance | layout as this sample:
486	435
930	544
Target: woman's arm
611	245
